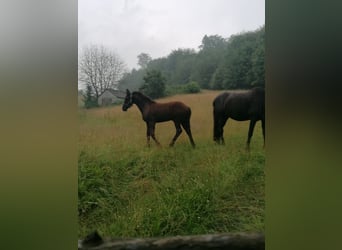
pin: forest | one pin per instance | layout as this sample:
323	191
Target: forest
236	62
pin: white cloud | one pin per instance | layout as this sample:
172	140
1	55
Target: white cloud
159	26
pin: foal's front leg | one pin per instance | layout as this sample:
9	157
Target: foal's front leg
178	132
151	127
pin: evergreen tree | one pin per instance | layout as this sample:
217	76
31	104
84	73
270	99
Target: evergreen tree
154	85
89	99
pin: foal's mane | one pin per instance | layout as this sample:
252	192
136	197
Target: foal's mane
142	96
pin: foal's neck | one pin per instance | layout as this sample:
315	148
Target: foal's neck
142	101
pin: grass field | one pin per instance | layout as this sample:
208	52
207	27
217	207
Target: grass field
126	189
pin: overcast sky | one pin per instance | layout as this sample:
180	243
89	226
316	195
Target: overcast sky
157	27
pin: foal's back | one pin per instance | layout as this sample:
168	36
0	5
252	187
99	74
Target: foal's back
160	112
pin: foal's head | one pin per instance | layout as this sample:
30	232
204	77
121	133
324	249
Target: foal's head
128	101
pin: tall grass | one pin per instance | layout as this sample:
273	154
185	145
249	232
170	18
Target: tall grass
128	190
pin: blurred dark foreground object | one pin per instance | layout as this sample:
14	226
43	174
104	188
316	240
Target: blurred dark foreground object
229	241
91	240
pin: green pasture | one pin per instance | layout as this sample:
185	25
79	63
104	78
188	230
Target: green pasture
126	189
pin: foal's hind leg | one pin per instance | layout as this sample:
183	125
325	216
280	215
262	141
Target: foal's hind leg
186	126
178	132
148	134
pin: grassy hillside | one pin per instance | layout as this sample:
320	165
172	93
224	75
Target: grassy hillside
128	190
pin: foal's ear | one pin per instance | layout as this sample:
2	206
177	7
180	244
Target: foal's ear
127	92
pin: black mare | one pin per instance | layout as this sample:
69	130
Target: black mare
153	112
240	106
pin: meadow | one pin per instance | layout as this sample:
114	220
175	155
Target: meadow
126	189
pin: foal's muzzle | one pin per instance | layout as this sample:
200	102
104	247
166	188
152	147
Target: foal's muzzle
126	106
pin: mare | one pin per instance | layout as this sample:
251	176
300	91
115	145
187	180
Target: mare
240	106
153	112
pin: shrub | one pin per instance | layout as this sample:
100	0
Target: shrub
192	87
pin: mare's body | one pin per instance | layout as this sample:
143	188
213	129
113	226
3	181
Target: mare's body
240	106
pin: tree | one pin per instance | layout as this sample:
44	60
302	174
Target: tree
154	85
143	60
100	68
89	100
243	62
257	74
208	59
212	42
132	80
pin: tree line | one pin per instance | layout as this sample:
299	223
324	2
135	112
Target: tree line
236	62
219	63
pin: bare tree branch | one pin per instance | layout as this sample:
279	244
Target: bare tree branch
100	68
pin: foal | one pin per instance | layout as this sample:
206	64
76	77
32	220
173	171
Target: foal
153	112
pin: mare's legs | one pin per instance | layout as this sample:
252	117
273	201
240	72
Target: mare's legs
250	131
263	129
151	128
220	123
223	123
217	125
178	132
186	126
